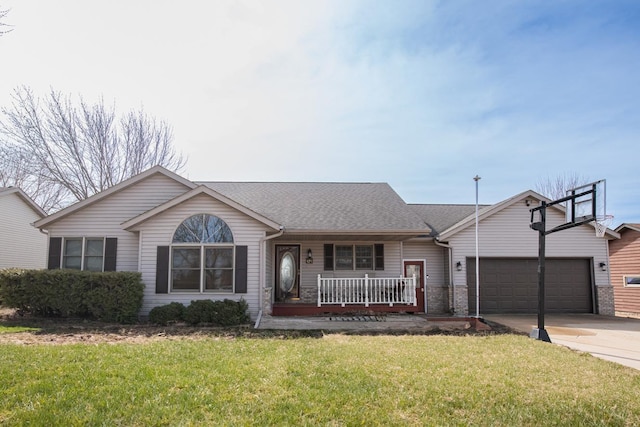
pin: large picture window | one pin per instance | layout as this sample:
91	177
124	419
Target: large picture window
202	256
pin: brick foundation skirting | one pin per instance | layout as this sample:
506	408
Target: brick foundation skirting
606	303
460	300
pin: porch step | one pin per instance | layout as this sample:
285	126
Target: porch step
301	309
357	318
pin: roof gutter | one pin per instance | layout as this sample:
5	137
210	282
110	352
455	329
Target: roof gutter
450	267
263	259
358	232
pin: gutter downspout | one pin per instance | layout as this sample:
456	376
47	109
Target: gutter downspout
450	265
46	255
595	285
263	257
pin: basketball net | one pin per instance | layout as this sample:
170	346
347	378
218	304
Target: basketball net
601	224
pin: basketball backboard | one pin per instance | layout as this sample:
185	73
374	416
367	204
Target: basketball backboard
587	203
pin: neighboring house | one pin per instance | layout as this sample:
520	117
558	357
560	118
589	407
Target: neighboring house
21	244
624	265
304	248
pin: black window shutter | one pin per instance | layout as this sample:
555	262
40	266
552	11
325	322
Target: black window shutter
241	270
110	252
162	270
55	251
328	256
378	250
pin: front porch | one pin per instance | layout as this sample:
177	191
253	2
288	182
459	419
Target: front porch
355	295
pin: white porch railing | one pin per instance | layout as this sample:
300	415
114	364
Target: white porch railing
366	291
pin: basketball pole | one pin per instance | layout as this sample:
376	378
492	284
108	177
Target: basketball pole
540	333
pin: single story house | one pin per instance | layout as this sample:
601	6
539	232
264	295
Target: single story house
624	260
21	244
305	248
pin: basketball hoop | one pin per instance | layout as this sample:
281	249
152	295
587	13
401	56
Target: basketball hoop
601	224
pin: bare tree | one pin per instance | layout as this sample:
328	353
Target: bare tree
3	14
16	170
556	188
61	151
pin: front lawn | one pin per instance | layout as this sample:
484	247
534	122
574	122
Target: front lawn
333	380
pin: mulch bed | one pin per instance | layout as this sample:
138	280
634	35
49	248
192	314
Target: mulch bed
75	331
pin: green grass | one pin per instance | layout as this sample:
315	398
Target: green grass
336	380
16	329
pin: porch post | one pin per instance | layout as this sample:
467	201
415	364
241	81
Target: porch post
319	293
413	293
366	290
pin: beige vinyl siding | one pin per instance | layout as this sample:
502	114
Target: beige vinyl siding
435	260
22	245
309	272
104	218
268	270
158	231
625	261
507	234
437	287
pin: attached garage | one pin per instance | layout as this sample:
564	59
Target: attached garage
510	285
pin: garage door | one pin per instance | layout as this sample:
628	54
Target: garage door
511	285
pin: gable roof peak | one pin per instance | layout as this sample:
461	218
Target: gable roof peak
5	191
157	169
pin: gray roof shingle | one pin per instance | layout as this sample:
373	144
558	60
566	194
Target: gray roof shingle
441	217
325	206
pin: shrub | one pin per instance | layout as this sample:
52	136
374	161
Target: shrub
230	312
199	311
165	314
219	313
110	296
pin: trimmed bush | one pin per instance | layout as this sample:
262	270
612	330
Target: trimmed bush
199	311
110	296
165	314
219	313
230	312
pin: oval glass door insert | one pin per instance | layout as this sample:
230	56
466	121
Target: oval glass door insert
287	272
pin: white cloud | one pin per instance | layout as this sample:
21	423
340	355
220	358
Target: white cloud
421	94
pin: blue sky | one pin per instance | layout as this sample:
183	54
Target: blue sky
421	94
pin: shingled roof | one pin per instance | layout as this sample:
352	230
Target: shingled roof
628	225
441	217
325	206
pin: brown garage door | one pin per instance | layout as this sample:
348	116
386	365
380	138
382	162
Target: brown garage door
510	285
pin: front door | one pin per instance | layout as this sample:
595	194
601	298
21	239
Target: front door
287	272
417	268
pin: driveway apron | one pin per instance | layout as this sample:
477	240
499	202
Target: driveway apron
616	339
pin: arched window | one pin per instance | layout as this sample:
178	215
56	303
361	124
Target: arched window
202	255
203	228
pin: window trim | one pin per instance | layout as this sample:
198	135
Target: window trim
83	252
331	257
202	246
336	257
371	257
202	288
631	285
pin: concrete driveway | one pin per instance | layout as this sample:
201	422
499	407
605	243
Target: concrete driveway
616	339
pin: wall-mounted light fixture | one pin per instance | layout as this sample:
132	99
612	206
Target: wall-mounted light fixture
459	266
309	256
603	266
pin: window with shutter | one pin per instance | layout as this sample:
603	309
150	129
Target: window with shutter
203	256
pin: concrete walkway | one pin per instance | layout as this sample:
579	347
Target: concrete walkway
390	322
616	339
